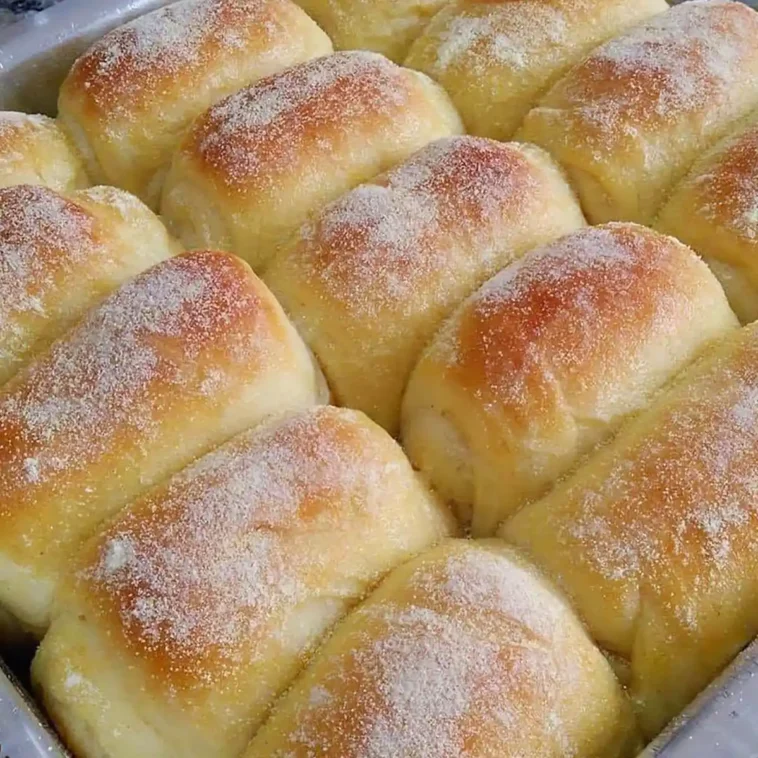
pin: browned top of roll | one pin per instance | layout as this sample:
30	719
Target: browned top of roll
685	60
464	651
723	189
270	123
110	375
575	309
42	233
668	507
379	245
172	47
198	576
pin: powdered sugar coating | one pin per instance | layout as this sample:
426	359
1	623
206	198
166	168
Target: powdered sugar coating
496	59
685	61
385	241
727	184
259	131
59	256
43	236
94	383
204	575
130	67
434	665
654	537
503	34
684	494
390	260
528	337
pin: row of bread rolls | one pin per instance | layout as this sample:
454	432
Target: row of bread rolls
175	627
127	101
194	349
157	586
175	361
223	578
183	619
86	432
625	123
370	278
463	651
652	539
548	358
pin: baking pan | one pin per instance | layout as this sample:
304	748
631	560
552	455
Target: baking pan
722	722
37	51
23	731
35	55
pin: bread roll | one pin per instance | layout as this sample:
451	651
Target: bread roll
548	357
384	26
174	362
129	99
496	58
34	150
715	209
194	608
60	255
466	652
254	166
369	280
654	539
629	121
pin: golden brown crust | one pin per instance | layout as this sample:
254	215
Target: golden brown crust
129	99
255	166
171	48
715	209
465	651
209	592
654	537
526	313
140	387
176	573
548	357
33	150
250	138
496	58
60	255
630	119
369	280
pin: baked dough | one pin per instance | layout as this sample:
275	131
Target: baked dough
173	363
188	614
630	120
496	59
544	362
257	164
369	280
465	651
60	255
715	209
654	539
130	98
34	150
